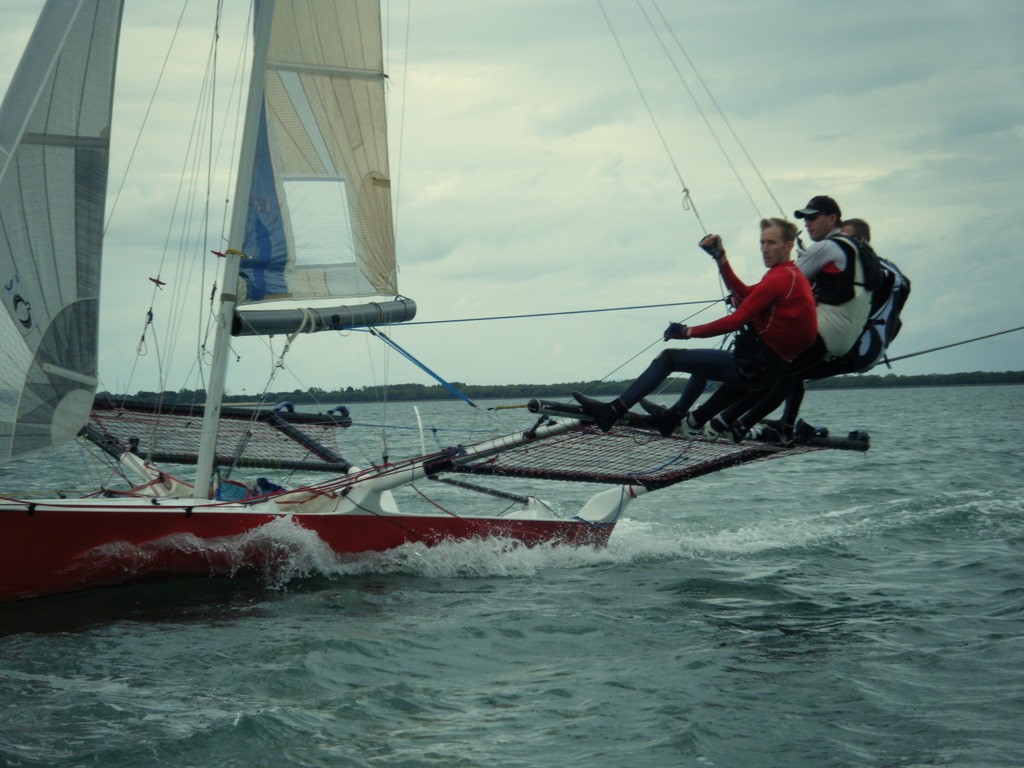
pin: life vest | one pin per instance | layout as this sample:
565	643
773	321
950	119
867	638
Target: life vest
887	300
838	287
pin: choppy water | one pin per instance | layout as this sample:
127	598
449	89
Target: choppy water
829	610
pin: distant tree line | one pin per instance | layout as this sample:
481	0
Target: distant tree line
402	392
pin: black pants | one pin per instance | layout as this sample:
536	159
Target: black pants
754	406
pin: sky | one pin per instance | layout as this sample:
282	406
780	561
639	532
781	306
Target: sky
535	172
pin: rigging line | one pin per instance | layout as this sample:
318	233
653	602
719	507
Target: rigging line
718	107
279	360
688	203
391	520
955	344
145	117
394	345
204	224
236	88
468	486
700	110
652	344
184	199
188	197
557	314
401	123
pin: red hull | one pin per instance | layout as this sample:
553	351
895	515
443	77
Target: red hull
49	551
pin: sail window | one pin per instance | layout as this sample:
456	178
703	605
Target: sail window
320	221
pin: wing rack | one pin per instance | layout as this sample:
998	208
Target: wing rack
247	437
635	455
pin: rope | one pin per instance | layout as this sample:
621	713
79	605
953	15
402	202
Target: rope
401	121
708	302
393	345
655	343
145	120
955	344
721	114
693	98
688	203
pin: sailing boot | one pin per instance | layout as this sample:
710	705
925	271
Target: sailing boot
604	415
688	427
773	431
715	428
738	431
786	435
651	407
665	420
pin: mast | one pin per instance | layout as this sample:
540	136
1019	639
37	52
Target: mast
229	280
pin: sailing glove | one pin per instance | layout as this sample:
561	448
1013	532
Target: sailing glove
712	244
675	331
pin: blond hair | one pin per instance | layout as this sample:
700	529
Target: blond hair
787	228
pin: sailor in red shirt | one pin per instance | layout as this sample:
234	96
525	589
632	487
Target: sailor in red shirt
779	309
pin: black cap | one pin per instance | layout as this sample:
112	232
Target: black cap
819	204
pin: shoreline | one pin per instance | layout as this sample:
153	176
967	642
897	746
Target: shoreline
420	392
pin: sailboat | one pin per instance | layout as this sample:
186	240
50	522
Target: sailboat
314	154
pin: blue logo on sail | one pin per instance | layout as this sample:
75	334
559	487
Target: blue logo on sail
265	245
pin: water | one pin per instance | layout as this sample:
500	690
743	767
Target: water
828	610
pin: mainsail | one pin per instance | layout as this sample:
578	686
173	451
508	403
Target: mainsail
312	216
54	149
319	219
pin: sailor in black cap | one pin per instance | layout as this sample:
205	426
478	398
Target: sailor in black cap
836	275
